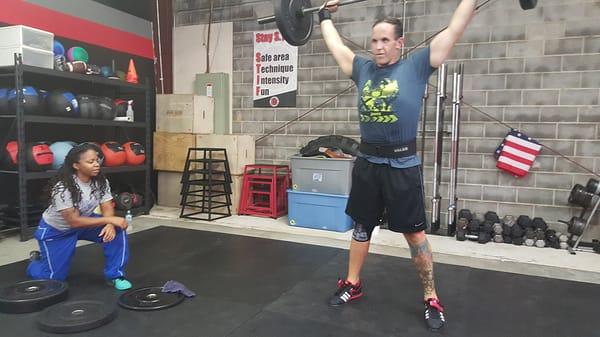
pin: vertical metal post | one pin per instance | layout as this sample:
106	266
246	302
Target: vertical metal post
424	121
437	150
456	101
21	154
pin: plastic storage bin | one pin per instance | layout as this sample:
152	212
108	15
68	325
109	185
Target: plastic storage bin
322	175
24	36
31	56
318	210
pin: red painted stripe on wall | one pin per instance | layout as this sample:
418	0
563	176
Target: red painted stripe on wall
18	12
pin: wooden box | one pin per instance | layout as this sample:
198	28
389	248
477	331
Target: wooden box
240	149
180	113
170	150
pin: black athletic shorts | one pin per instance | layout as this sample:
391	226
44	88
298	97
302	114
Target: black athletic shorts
399	191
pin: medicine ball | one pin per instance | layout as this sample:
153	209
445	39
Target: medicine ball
58	48
98	150
4	101
31	101
62	103
9	155
135	153
114	154
123	201
107	108
77	54
88	107
138	199
39	156
60	150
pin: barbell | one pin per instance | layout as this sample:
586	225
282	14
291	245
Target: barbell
294	18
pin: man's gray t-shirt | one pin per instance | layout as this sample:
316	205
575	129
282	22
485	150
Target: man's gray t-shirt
62	200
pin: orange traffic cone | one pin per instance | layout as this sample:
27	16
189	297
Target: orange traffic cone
132	76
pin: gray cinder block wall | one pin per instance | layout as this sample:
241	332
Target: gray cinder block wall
536	70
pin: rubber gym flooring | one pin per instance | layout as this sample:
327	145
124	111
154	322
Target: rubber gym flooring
257	287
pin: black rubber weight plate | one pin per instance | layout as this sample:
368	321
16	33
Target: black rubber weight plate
76	316
150	298
30	296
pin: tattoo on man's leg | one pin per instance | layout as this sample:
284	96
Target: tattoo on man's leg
421	248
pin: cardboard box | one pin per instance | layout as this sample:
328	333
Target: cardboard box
180	113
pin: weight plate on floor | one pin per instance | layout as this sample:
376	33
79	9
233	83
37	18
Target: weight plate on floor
33	295
76	316
295	27
149	298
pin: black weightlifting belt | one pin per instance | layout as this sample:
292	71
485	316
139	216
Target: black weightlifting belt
389	151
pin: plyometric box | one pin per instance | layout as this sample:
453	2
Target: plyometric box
179	113
170	150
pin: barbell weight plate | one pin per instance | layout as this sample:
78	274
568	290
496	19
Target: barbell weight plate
33	295
296	28
528	4
76	316
149	298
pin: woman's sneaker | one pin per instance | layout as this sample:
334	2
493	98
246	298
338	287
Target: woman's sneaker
434	314
345	292
120	283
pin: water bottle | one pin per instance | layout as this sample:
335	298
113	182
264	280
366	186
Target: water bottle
129	219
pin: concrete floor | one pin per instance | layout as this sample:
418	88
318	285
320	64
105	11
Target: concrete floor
545	262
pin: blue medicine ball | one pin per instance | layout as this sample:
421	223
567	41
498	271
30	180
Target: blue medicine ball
62	103
31	101
60	150
59	49
3	101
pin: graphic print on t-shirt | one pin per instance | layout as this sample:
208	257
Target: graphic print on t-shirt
376	102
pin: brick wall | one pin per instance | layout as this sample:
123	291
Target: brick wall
536	70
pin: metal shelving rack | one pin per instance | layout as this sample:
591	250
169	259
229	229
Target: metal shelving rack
20	71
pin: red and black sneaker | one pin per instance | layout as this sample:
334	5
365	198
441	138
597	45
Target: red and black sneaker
345	292
434	314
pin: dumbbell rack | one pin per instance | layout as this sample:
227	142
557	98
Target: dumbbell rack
575	246
206	180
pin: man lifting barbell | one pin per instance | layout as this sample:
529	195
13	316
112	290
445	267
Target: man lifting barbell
387	174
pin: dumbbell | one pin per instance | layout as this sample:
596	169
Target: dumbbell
487	227
507	238
529	242
461	229
498	238
539	223
517	232
517	241
473	226
524	221
465	214
497	228
508	220
484	237
491	216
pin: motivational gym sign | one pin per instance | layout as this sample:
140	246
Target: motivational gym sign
275	70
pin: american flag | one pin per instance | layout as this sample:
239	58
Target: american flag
517	153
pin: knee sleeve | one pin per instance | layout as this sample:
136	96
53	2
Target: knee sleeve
362	233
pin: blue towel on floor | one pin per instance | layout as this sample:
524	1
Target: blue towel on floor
176	287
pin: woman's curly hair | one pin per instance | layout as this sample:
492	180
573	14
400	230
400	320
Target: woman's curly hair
64	179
